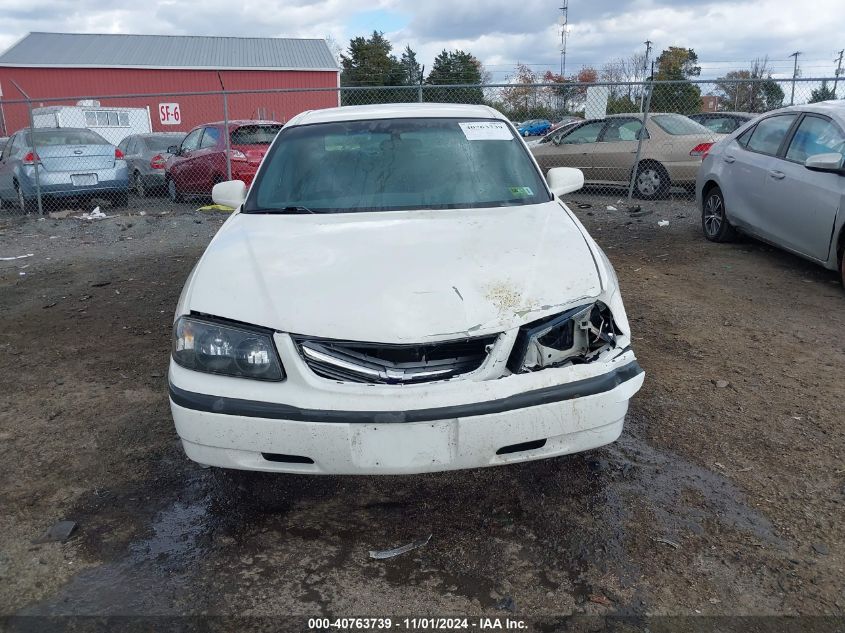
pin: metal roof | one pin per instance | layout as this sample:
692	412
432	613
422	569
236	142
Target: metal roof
90	50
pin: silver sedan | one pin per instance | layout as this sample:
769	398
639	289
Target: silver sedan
781	178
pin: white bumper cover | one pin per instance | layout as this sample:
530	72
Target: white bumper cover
400	429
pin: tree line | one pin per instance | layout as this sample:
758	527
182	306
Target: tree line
369	62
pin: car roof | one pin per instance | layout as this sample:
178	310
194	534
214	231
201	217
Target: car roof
397	111
830	108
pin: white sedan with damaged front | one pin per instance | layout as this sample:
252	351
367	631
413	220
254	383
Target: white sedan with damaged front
399	291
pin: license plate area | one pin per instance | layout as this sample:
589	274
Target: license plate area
83	180
403	444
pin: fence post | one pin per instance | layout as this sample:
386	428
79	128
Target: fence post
226	128
640	143
36	163
420	93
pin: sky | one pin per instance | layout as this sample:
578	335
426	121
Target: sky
726	34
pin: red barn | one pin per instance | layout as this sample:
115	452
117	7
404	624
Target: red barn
157	71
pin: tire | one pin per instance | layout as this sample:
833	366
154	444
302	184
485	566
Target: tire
173	191
652	181
120	199
526	134
714	222
842	268
140	188
24	205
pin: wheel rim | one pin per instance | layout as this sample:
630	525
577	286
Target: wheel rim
648	181
139	185
714	213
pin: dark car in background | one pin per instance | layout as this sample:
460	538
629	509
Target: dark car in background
146	156
70	163
199	161
722	122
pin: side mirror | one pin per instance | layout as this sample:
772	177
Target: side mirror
173	149
231	193
563	180
825	162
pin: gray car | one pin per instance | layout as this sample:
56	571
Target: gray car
146	155
61	163
781	178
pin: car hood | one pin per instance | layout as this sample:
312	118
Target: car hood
395	276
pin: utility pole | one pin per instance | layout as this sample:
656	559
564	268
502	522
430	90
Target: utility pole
794	76
648	44
838	72
564	23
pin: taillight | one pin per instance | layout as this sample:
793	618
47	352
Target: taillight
118	155
157	161
31	159
236	154
701	150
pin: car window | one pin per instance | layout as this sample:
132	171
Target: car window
720	125
8	147
678	124
769	134
210	138
254	134
161	143
63	136
191	141
815	135
587	133
133	146
622	130
123	146
397	164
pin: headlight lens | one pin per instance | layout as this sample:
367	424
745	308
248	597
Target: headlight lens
573	336
223	349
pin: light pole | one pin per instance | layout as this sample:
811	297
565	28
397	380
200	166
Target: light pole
838	72
794	76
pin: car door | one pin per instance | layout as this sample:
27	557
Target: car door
129	147
801	205
182	169
205	159
6	169
573	148
748	160
616	150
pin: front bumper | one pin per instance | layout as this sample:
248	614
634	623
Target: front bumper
389	429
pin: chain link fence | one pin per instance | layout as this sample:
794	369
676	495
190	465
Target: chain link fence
68	155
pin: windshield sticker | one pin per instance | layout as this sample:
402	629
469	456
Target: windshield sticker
521	192
486	131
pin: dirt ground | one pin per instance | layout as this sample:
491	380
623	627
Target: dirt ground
724	495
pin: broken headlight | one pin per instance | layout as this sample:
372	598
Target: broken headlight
216	348
575	336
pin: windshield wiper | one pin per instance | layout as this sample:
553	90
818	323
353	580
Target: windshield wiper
294	210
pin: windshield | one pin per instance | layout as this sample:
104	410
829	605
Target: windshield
395	164
678	124
64	136
254	134
161	143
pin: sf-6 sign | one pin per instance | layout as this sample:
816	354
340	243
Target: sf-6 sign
169	113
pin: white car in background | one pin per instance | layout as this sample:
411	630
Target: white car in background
399	291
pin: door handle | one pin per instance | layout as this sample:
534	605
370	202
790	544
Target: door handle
728	159
777	175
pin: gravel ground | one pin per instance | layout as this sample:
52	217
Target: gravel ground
724	495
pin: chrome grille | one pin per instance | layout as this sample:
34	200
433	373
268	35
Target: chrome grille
384	363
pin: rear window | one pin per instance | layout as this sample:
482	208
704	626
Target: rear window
678	124
66	136
161	143
255	134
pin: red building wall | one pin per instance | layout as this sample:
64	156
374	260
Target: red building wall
73	84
